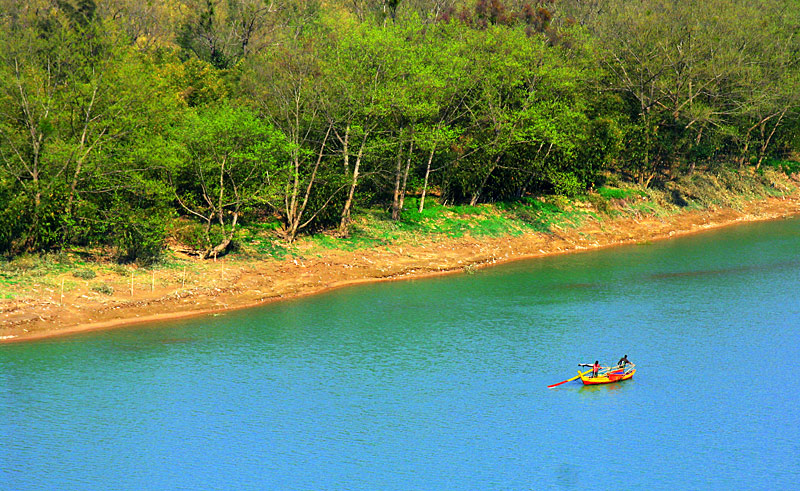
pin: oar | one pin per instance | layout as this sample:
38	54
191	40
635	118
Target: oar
569	379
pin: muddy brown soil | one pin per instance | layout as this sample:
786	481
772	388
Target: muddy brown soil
232	284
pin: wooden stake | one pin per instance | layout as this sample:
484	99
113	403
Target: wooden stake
61	302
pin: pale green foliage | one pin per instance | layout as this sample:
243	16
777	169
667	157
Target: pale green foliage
116	116
230	159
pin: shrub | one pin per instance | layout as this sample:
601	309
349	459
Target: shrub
189	233
140	237
84	274
559	201
600	203
566	184
104	289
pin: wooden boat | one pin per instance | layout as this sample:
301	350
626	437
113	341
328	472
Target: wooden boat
609	375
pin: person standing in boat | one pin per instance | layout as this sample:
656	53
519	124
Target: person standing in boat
595	368
624	361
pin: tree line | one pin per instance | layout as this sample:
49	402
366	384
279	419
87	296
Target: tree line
117	116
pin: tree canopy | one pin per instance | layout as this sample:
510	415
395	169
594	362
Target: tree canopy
118	117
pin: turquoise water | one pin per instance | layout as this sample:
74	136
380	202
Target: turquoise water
440	383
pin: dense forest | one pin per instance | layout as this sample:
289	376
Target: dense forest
120	117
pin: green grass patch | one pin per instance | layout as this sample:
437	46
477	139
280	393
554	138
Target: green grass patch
260	239
788	167
8	279
457	221
620	193
169	261
84	274
268	226
649	208
543	215
496	226
357	240
36	265
266	247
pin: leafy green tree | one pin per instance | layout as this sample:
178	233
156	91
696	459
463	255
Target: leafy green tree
441	88
527	112
696	75
34	60
225	32
357	90
284	85
148	25
766	93
229	162
73	97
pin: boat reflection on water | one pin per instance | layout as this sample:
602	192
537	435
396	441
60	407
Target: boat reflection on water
604	387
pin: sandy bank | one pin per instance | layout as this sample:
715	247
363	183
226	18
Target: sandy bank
234	284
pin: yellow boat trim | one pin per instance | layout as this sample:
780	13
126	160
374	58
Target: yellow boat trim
603	377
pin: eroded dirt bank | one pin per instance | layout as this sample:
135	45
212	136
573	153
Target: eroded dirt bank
232	284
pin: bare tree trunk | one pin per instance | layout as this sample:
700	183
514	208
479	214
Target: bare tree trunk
750	130
477	194
219	211
295	220
425	183
291	198
398	171
345	219
401	180
405	176
290	204
81	158
345	148
32	167
763	149
646	164
227	238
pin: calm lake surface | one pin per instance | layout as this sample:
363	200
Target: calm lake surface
440	383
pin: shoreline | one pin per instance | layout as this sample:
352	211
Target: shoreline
254	283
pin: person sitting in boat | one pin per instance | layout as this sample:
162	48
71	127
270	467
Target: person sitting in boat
624	361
